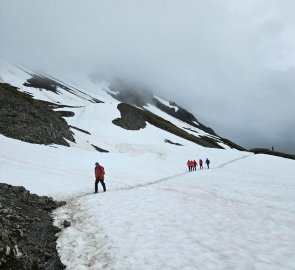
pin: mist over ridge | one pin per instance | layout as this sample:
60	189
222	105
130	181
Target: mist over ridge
230	64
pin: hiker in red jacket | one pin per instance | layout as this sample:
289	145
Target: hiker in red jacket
195	165
189	165
201	164
99	177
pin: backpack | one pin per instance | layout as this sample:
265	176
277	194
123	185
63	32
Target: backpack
102	170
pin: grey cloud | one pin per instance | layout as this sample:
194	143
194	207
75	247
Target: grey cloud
229	62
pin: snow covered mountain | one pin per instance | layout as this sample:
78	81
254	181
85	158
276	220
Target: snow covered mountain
155	111
155	214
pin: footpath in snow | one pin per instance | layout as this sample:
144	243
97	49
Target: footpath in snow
239	215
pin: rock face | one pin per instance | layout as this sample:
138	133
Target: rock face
30	120
183	115
130	119
27	235
135	95
42	82
99	149
135	119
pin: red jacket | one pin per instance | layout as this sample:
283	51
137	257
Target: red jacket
188	163
201	162
99	172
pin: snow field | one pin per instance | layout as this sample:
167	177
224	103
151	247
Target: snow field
154	215
200	220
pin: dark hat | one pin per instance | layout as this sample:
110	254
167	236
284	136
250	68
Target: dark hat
96	163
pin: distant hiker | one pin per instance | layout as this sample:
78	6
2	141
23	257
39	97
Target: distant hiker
201	164
207	162
99	177
195	165
188	165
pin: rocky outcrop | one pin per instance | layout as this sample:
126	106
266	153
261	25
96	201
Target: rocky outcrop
27	234
81	130
168	141
138	96
131	114
272	153
30	120
130	118
42	82
99	149
183	115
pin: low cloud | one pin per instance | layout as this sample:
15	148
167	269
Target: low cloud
231	63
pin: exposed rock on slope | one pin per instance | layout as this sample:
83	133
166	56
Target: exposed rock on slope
183	115
30	120
131	118
27	234
48	84
140	97
272	153
129	113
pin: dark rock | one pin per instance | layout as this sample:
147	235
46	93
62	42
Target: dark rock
129	120
43	82
67	224
81	130
183	115
232	144
58	106
129	112
168	141
272	153
30	120
99	149
66	113
137	95
27	234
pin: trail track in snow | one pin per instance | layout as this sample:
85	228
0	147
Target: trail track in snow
233	161
75	213
160	180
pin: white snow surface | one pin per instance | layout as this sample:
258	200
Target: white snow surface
239	214
167	103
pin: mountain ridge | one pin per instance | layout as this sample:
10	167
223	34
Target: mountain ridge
170	117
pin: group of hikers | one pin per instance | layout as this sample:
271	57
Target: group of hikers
99	172
192	164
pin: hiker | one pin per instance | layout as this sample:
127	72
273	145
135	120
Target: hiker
188	165
201	164
195	165
99	177
207	162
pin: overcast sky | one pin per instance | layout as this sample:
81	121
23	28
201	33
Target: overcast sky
231	63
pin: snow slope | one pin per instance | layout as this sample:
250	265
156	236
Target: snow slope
211	219
155	214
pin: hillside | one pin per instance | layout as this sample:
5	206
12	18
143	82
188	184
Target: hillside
155	214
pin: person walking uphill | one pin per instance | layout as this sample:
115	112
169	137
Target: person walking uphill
188	165
201	164
99	177
207	162
195	165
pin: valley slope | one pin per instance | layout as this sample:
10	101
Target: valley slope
155	214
